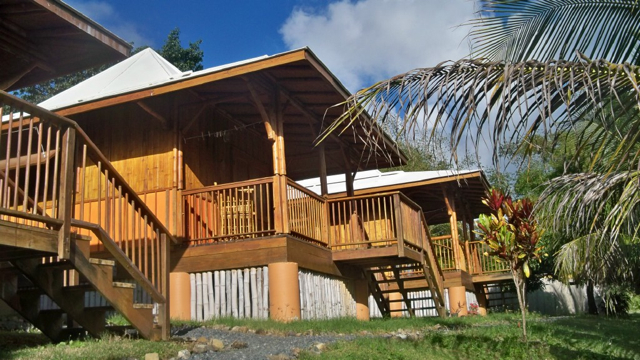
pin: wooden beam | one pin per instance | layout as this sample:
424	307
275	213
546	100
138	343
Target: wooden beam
27	160
28	237
154	114
193	120
268	122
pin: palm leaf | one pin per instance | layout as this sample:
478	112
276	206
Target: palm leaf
517	30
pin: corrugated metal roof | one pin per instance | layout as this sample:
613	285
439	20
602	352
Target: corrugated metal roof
376	178
145	69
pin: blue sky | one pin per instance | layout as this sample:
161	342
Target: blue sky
360	41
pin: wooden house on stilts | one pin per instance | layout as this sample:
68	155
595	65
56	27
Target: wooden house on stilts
188	189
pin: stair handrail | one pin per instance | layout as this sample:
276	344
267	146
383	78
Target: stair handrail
431	253
36	111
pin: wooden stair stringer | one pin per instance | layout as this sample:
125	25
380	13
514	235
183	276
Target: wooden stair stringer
377	294
28	308
121	299
437	293
52	284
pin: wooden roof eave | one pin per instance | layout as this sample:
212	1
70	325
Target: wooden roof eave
185	83
87	25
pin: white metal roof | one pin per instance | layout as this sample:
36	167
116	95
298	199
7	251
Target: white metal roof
376	178
145	69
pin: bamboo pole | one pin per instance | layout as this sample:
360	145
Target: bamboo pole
254	294
227	278
240	294
199	297
205	296
265	293
234	293
259	294
210	293
216	290
192	279
223	295
247	293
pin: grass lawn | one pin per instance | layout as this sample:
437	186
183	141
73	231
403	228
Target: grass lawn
494	337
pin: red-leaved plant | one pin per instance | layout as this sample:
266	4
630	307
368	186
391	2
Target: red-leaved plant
512	234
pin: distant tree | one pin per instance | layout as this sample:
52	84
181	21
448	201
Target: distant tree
189	58
185	59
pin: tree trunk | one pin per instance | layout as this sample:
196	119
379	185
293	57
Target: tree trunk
591	299
521	287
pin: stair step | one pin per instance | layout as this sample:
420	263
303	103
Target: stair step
80	237
393	280
124	285
92	308
142	306
103	262
413	299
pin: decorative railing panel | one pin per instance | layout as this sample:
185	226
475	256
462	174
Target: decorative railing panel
305	213
443	247
479	263
362	222
230	211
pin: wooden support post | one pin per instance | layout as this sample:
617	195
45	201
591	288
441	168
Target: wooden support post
362	299
399	229
164	310
65	207
180	296
284	291
324	187
453	222
348	180
458	300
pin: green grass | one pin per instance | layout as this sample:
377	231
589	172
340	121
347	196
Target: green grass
29	346
494	337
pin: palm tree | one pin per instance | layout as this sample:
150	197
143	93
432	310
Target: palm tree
542	70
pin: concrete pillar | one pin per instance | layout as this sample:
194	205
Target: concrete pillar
362	299
180	296
284	291
394	304
458	300
482	300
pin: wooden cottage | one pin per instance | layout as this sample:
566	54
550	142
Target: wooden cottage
151	186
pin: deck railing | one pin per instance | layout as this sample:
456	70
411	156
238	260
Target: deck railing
479	263
362	222
45	160
443	246
305	213
226	212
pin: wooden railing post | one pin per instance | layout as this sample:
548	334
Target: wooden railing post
164	310
399	228
65	202
281	213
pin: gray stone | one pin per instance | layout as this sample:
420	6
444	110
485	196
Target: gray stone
184	354
239	345
242	329
200	348
151	356
216	345
202	340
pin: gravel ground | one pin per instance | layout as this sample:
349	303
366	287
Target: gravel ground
259	346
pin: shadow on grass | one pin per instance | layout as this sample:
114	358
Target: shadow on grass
11	341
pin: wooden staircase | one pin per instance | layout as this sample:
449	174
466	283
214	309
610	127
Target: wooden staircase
404	279
46	239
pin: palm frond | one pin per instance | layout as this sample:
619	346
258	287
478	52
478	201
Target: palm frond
506	102
517	30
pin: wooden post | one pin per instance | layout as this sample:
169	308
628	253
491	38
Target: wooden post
362	299
348	181
398	218
67	182
481	296
453	222
324	187
164	310
180	296
284	292
458	300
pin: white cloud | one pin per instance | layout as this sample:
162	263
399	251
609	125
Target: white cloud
369	40
103	13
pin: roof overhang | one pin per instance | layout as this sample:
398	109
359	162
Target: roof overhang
305	85
44	39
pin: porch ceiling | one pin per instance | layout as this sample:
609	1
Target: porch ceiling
43	39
